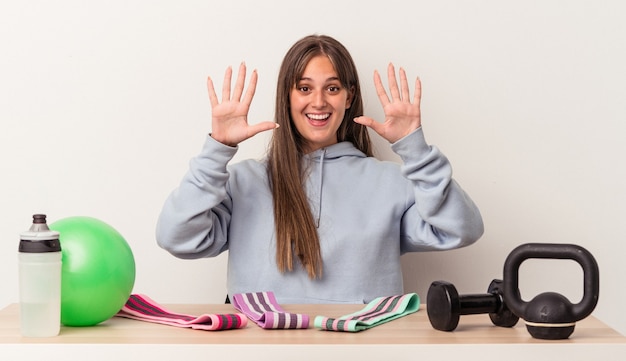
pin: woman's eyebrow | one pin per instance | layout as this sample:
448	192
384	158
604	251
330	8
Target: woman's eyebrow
332	78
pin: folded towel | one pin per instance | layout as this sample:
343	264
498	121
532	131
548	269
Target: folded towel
142	308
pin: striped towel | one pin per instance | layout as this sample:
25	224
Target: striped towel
377	312
262	309
142	308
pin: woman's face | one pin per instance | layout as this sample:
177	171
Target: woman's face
318	103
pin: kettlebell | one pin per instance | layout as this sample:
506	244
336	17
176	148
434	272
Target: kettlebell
550	315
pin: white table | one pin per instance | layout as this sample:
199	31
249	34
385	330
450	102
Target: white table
410	337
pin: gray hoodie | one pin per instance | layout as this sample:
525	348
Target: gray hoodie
368	213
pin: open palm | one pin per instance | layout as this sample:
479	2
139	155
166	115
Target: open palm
402	114
230	116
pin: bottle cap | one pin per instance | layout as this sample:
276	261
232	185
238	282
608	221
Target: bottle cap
39	238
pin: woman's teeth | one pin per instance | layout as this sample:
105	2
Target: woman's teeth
318	116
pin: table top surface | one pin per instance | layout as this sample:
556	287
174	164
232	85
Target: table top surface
412	329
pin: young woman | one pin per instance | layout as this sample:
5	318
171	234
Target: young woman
319	220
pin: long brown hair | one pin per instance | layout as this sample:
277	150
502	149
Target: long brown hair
296	232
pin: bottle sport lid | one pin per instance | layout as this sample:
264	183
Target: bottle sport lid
39	238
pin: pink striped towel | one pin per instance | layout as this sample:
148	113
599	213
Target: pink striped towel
142	308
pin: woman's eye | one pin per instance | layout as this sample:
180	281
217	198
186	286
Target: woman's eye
333	89
303	89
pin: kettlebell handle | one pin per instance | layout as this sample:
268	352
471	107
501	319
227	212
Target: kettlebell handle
552	251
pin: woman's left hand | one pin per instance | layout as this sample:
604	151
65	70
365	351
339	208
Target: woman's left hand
401	115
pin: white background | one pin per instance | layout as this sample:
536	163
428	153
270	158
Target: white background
102	105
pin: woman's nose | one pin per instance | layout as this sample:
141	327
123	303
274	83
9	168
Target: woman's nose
319	99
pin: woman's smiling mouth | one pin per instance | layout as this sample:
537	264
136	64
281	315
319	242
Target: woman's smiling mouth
318	119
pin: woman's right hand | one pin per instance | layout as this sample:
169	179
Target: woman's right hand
230	116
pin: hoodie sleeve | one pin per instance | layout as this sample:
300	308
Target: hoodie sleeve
195	217
441	215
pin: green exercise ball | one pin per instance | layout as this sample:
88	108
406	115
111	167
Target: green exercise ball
98	271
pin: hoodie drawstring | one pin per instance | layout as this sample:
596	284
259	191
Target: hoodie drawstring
319	209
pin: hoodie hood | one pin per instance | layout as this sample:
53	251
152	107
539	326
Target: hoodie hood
314	164
334	151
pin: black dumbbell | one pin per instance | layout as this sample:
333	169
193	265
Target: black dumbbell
444	305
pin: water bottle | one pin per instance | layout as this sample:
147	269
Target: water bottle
40	280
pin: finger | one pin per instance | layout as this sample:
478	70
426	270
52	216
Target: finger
261	127
417	98
241	81
393	83
211	89
247	99
404	84
380	89
226	86
369	122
